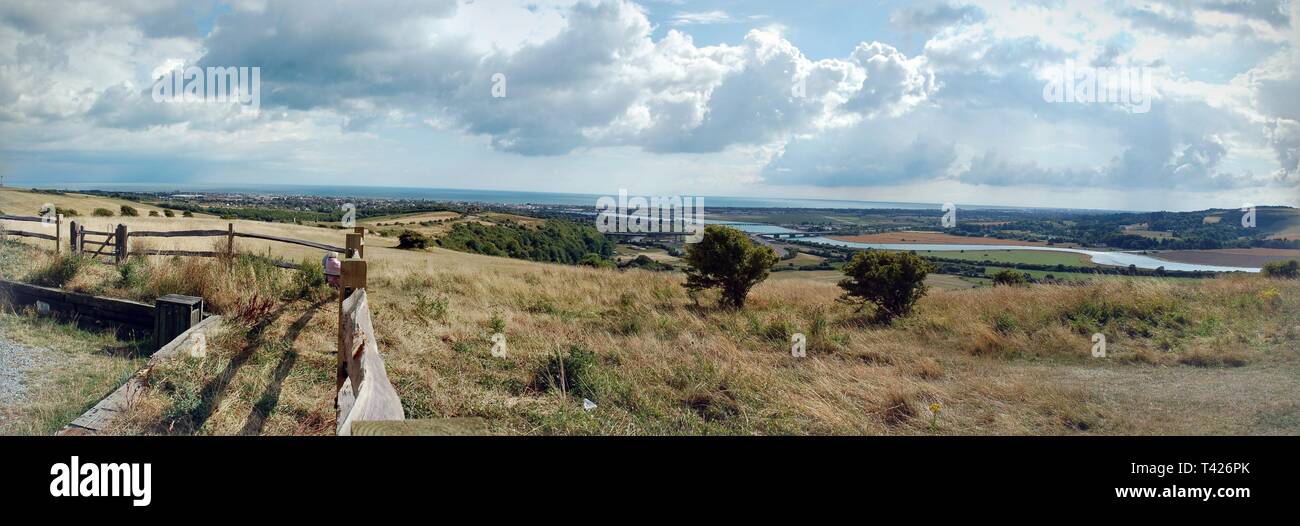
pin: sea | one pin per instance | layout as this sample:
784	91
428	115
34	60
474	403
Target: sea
502	197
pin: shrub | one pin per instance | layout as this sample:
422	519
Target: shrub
891	281
65	212
410	239
594	260
133	274
310	282
433	308
570	373
1289	269
128	211
725	258
153	213
102	212
1010	278
57	271
187	213
169	213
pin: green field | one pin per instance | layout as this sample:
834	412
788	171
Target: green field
1034	257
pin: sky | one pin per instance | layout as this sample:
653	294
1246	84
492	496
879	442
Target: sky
855	99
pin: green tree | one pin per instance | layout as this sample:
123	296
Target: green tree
169	213
725	258
1289	269
1010	277
102	212
128	211
891	281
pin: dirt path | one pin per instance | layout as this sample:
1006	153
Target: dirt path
15	362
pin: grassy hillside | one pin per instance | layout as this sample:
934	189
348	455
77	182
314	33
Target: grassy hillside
1216	356
27	203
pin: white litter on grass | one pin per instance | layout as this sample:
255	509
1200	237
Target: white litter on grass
588	405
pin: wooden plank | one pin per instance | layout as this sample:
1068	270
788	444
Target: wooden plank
456	426
179	233
96	232
292	241
367	377
21	233
125	312
160	252
100	243
104	413
36	219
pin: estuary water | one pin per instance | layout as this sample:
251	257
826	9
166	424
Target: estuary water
1100	257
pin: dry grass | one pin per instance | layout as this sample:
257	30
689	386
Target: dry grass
663	366
1004	360
75	369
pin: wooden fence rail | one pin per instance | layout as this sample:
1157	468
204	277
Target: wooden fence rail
56	237
180	233
117	242
364	391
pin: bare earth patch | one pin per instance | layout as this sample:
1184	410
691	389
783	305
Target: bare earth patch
1232	257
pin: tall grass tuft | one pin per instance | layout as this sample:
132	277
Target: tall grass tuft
57	271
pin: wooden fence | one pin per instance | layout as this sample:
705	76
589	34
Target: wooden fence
117	243
365	396
364	392
55	237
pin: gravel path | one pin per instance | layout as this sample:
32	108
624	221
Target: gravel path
15	361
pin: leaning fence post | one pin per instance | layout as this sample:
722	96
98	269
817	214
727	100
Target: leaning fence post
230	239
352	277
58	234
123	246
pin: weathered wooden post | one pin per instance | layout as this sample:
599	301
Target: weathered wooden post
173	315
123	246
230	239
81	238
356	245
58	234
352	277
72	238
361	230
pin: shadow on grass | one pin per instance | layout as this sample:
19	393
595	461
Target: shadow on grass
271	397
211	394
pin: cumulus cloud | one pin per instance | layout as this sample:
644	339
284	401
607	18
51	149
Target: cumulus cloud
598	75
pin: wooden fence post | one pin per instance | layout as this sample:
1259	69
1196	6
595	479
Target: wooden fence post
72	237
361	230
352	276
81	238
58	234
356	245
123	245
230	239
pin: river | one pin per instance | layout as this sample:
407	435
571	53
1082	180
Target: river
1100	257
